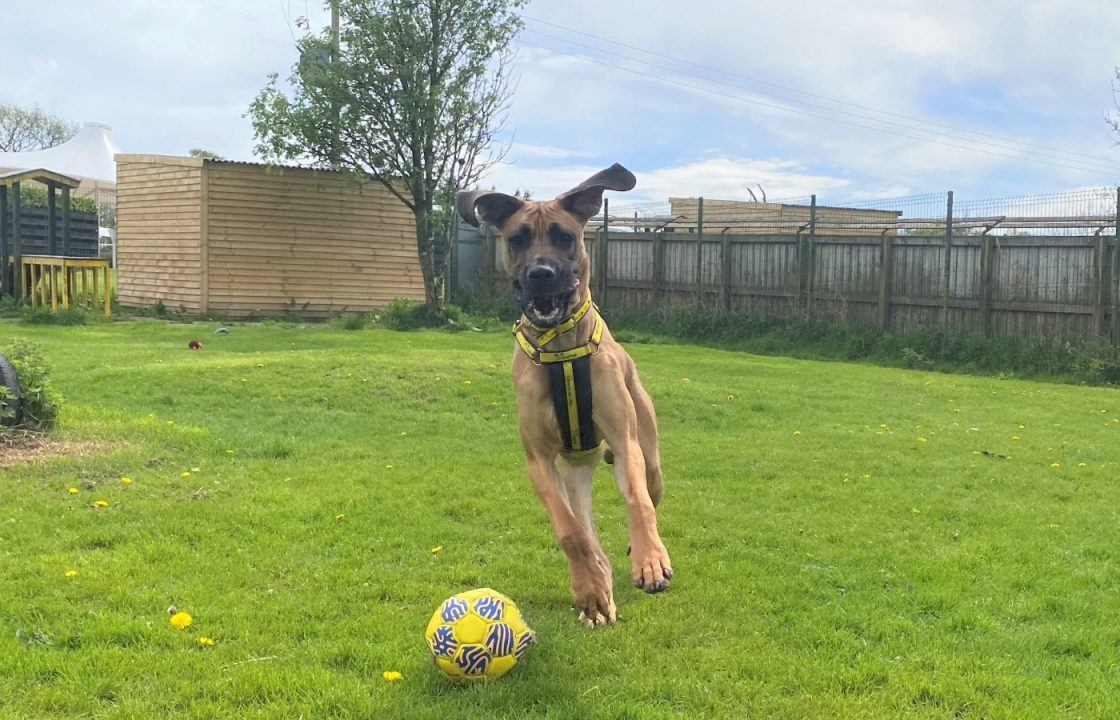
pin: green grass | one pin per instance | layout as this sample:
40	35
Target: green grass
844	546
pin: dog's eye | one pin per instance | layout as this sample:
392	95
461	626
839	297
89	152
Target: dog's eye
520	239
561	237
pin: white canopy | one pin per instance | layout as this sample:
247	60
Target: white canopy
87	155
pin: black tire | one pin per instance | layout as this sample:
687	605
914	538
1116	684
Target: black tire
10	381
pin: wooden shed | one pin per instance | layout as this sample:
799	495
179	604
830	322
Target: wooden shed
252	240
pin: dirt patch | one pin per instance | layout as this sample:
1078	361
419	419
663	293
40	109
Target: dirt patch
18	447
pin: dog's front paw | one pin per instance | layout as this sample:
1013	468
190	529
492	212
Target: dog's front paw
593	594
650	568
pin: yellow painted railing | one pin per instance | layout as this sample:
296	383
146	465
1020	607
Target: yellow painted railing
66	282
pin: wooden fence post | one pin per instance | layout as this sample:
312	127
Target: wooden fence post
802	266
1100	273
986	264
66	220
17	241
725	269
947	266
1115	280
886	268
52	219
700	253
658	262
4	268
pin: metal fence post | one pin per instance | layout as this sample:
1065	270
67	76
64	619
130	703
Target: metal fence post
947	267
1115	280
602	254
700	253
810	271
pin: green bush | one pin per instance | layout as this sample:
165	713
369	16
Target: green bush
404	314
34	196
41	402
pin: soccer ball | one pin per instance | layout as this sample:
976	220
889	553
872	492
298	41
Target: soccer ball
477	635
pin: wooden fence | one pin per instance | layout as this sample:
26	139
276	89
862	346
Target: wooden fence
1057	288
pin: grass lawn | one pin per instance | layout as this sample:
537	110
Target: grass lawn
847	540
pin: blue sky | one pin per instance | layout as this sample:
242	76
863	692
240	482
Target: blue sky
170	76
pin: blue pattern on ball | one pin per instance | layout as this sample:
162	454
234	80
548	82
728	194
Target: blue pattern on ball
499	641
444	643
527	638
490	608
474	660
453	610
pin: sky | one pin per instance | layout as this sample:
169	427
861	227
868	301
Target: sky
848	99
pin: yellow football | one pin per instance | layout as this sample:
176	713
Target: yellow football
477	635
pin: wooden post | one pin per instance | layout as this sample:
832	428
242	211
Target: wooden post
65	219
986	264
1100	274
700	253
802	266
108	291
65	271
725	269
52	219
886	268
947	267
810	271
1115	279
658	261
4	266
17	241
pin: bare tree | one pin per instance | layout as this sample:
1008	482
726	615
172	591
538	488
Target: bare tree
1113	119
411	96
23	129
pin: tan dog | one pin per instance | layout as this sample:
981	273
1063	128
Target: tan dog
559	328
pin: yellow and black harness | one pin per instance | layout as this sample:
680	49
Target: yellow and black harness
569	376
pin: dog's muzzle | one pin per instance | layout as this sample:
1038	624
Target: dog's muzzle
545	293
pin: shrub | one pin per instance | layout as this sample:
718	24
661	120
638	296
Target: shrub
41	402
33	196
404	314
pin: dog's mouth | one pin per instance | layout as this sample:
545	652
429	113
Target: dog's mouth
546	311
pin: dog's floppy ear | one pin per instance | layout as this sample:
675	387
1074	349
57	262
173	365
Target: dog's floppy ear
478	206
585	199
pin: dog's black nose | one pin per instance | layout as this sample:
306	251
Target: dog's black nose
541	273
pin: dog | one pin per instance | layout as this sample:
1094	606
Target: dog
577	389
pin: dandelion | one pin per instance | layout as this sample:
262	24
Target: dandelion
73	491
392	676
916	511
466	382
101	504
1015	437
686	380
797	433
922	439
170	422
181	621
388	467
436	549
185	474
730	397
1055	465
71	573
229	452
339	518
1022	427
205	641
196	469
126	480
1082	464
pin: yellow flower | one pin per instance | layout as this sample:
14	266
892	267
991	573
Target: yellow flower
73	491
436	549
923	439
1081	464
181	621
101	504
730	397
170	422
388	467
229	452
1055	465
466	382
339	518
916	511
205	641
185	474
392	676
196	469
797	432
71	573
1014	437
126	480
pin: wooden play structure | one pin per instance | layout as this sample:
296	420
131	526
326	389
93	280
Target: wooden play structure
59	274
